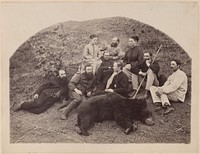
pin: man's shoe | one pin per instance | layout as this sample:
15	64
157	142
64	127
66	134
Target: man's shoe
127	131
158	108
135	126
157	103
17	106
131	94
78	130
168	110
149	121
166	104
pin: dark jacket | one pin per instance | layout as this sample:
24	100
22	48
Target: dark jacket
133	56
106	64
80	82
154	67
53	86
120	84
105	70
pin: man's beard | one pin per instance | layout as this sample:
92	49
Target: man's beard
114	44
63	78
89	76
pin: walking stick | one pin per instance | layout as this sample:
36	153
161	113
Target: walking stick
145	75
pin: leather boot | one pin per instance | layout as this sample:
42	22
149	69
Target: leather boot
69	108
168	110
17	106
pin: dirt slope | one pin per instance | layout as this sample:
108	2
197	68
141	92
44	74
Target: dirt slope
61	46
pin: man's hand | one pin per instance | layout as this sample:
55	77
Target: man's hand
159	92
89	94
35	96
142	73
109	90
128	66
78	91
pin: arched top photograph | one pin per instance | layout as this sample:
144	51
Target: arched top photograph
115	79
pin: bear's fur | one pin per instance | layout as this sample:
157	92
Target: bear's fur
112	106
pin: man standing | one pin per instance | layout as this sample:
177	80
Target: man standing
150	71
115	51
80	87
91	53
174	89
131	59
46	95
120	81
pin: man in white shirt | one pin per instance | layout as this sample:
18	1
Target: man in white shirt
174	89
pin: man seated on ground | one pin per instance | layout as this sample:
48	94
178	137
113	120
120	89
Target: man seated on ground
105	71
80	86
174	89
119	83
133	56
91	54
150	71
46	95
114	49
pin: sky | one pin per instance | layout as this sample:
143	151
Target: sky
22	20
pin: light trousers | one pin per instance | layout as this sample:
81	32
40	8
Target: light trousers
94	63
136	79
164	98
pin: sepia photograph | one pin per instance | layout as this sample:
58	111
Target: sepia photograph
105	77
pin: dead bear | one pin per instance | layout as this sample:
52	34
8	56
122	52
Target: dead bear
112	106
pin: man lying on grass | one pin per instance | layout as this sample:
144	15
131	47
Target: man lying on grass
46	95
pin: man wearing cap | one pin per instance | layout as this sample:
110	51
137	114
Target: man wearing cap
174	89
46	95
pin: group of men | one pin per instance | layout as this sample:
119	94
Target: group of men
110	69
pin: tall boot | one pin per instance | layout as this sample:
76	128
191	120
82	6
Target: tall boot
69	108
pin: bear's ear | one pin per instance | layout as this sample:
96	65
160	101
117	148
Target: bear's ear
134	99
140	99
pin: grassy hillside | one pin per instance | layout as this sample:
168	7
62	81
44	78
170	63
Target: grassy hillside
61	46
